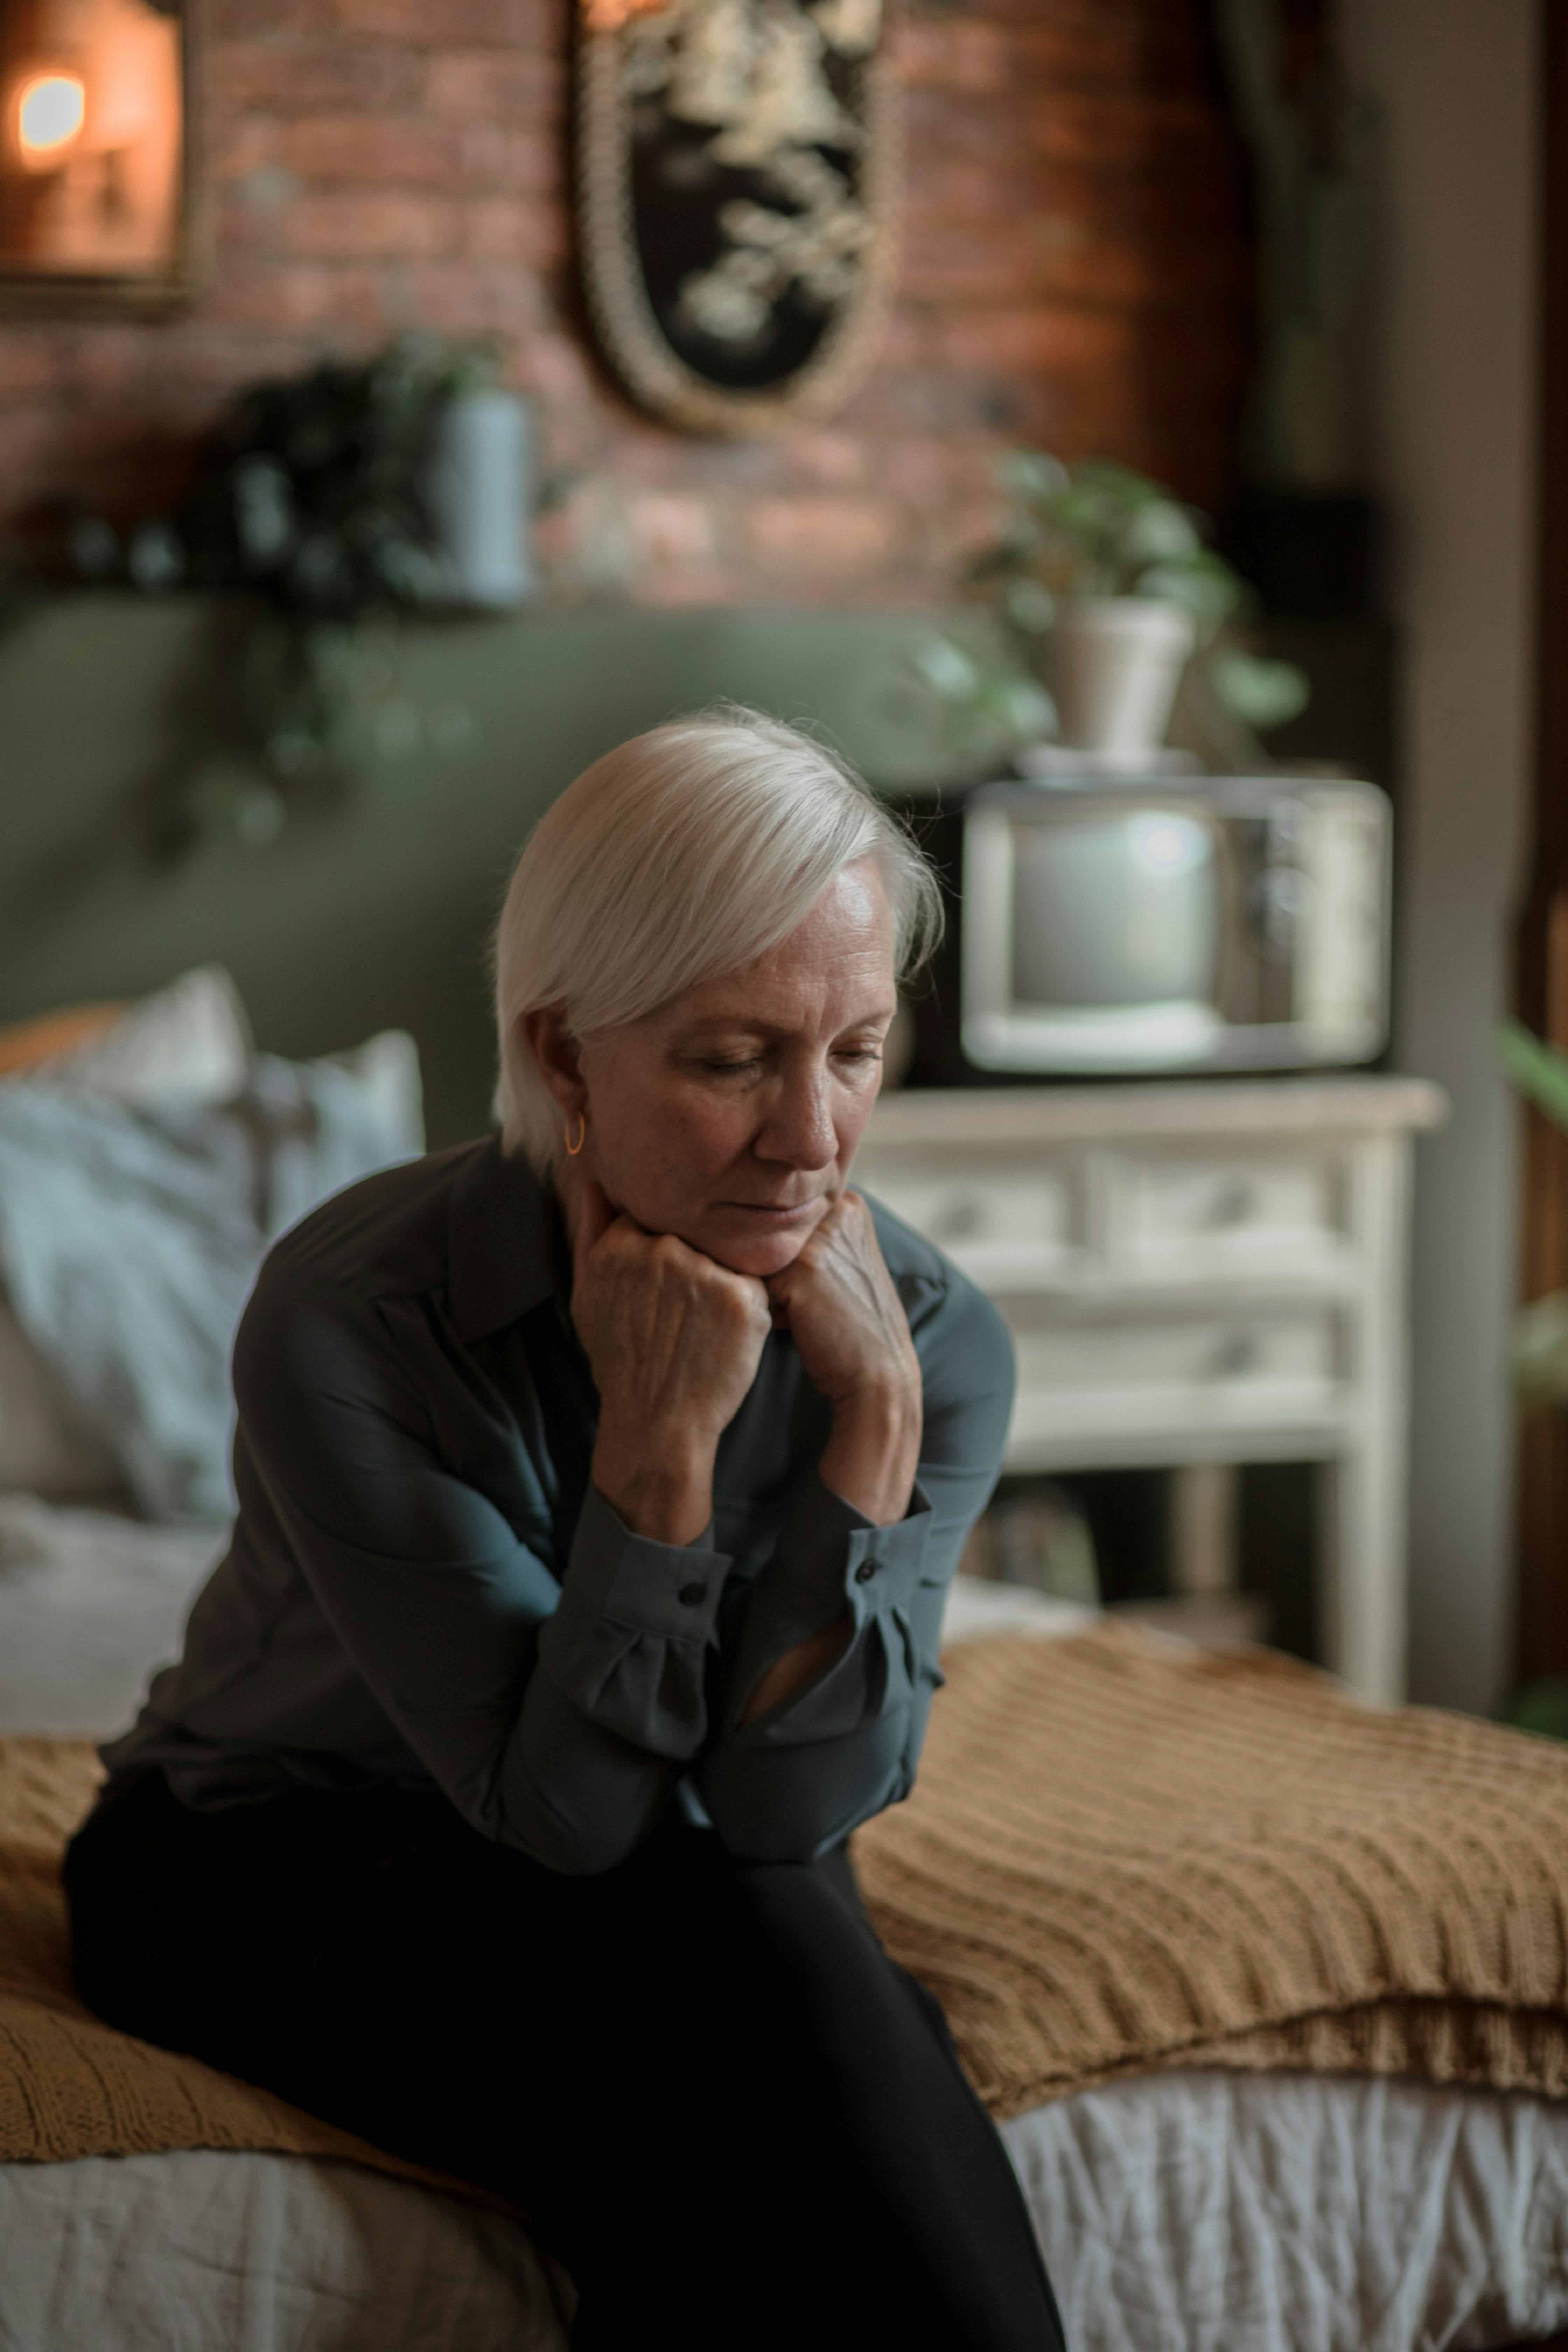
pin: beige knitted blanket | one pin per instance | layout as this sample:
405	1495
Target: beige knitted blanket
1125	1854
72	2086
1122	1855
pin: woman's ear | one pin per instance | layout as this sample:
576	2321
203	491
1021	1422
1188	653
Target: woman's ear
557	1056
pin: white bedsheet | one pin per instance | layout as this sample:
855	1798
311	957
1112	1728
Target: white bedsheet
1197	2212
1212	2211
208	2253
90	1605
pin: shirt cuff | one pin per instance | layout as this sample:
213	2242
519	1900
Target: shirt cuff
830	1561
628	1639
831	1557
629	1580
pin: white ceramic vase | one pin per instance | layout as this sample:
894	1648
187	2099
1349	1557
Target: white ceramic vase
480	492
1113	665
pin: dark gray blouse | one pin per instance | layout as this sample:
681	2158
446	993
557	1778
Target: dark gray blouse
424	1584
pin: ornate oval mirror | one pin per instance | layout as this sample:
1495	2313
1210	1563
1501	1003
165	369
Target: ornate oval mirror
96	136
739	175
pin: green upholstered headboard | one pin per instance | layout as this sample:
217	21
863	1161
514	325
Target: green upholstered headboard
374	914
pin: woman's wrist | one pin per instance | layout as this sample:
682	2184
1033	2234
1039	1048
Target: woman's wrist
660	1486
874	1449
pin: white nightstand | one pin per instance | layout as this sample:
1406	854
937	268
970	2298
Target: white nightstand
1195	1273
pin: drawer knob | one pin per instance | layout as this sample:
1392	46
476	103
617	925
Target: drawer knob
959	1217
1236	1355
1232	1205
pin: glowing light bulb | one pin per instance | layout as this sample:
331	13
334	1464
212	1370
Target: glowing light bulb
50	110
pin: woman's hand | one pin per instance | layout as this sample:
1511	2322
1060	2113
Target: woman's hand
852	1335
674	1341
853	1338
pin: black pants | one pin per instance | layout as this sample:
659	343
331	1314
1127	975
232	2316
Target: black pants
723	2106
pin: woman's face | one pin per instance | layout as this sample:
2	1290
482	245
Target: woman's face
729	1118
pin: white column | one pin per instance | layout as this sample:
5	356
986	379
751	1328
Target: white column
1365	1572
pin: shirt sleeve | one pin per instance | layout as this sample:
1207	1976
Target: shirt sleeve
556	1717
796	1782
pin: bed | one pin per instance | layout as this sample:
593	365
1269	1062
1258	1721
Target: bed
1194	2209
1203	2214
1178	2210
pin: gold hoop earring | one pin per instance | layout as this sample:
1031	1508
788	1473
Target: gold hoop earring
574	1149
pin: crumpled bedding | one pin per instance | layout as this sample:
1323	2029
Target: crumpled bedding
1215	2211
192	2251
1208	2211
130	1233
90	1603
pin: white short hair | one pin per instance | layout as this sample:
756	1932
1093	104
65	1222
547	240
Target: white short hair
682	854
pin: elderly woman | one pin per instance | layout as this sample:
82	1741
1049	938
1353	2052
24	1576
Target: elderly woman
599	1486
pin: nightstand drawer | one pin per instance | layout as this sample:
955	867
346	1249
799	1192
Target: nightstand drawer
982	1217
1249	1209
1197	1352
1203	1387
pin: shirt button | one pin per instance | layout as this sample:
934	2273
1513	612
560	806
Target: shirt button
866	1572
690	1594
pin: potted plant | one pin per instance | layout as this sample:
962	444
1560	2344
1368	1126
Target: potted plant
333	504
1110	583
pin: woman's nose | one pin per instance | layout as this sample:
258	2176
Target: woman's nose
799	1128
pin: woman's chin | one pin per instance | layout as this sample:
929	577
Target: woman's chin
762	1258
762	1254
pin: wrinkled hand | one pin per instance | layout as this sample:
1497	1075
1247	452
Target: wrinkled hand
838	1303
674	1341
852	1335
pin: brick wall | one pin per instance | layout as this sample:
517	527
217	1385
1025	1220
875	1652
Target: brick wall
1075	275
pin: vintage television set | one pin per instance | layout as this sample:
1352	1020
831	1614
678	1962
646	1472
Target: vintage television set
1202	925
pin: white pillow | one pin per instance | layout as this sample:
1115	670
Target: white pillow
132	1220
977	1608
48	1445
190	1040
144	1172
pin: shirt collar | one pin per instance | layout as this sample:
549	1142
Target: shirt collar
506	1250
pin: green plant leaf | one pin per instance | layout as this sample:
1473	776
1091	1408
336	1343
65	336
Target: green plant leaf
1090	515
1538	1350
946	668
1542	1706
1119	483
154	558
1022	710
1261	694
1158	531
1029	605
1032	474
1537	1069
263	509
1205	588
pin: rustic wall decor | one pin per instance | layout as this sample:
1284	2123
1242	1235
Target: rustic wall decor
740	173
99	138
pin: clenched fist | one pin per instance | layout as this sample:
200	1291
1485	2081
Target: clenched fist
838	1303
849	1328
674	1341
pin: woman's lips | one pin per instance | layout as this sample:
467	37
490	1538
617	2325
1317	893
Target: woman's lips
771	1214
